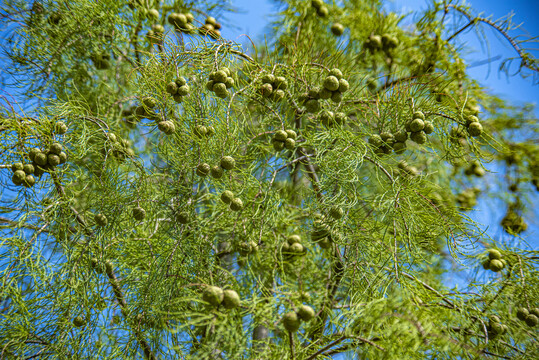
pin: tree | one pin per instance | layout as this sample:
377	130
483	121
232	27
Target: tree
167	193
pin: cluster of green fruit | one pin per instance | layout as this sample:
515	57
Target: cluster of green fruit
227	163
273	87
215	296
419	128
513	223
202	131
292	320
143	111
293	247
386	142
178	89
247	247
385	42
495	327
531	317
229	198
211	27
284	139
474	126
457	136
337	29
101	61
467	199
494	262
121	147
42	161
156	34
329	118
182	22
220	81
407	169
321	8
474	169
321	231
334	86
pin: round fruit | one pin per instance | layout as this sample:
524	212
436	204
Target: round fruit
153	13
532	320
317	3
297	249
340	118
227	196
336	72
53	160
399	147
216	172
336	212
209	85
327	117
401	136
325	94
278	145
17	166
100	220
312	106
167	127
291	322
337	29
376	140
29	181
172	88
470	119
322	11
293	239
79	321
231	299
331	83
486	264
496	328
419	137
290	144
522	313
418	115
229	82
475	129
496	265
228	162
184	90
200	131
336	97
429	127
60	128
213	295
203	169
266	89
19	176
343	85
63	157
494	254
268	78
535	311
139	213
211	20
182	217
280	83
291	134
219	76
40	159
28	169
305	312
417	125
280	135
236	204
149	102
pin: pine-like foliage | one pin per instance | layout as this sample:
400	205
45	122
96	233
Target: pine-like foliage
169	194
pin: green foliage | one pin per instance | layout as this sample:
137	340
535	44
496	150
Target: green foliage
167	193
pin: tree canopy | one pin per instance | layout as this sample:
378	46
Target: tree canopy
167	193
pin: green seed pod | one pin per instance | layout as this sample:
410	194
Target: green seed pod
149	102
331	83
183	90
172	88
325	94
532	320
429	127
227	196
336	212
231	299
317	3
236	204
343	85
418	115
470	119
153	13
376	140
535	311
211	20
280	135
216	172
291	134
399	147
336	97
220	76
17	166
182	217
417	125
268	79
297	249
496	265
229	83
401	136
327	118
375	41
337	29
28	169
475	129
419	137
494	254
200	131
228	162
53	160
203	169
40	159
293	239
18	177
100	220
305	312
180	81
522	313
219	87
291	322
79	321
278	145
209	85
139	213
312	106
213	295
496	328
280	83
266	89
210	131
60	128
290	144
340	118
336	72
